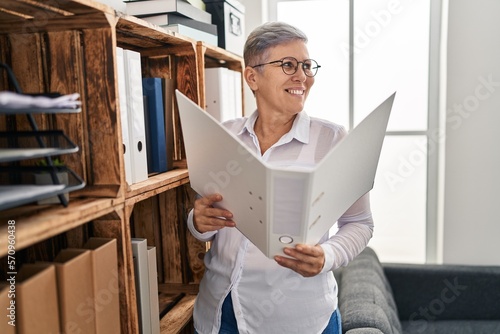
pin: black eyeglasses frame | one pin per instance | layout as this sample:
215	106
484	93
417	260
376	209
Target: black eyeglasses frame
315	68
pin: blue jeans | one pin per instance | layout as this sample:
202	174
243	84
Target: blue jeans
230	326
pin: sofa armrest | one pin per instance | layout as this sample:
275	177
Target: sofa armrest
364	330
444	292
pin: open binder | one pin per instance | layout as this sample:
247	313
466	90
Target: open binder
276	207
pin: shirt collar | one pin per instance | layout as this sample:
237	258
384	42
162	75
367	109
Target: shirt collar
300	128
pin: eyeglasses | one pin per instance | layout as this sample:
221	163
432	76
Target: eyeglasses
290	65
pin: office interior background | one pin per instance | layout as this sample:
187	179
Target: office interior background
435	198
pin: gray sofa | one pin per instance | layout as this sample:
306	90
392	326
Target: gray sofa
430	299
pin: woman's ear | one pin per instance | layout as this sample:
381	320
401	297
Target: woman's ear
250	76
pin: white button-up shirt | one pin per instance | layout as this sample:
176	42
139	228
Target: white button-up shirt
268	298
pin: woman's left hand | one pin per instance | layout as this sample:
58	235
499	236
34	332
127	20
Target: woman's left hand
306	260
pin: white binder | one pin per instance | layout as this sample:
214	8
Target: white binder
153	291
137	131
122	93
141	271
223	93
276	207
218	93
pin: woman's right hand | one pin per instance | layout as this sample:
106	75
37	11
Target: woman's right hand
207	218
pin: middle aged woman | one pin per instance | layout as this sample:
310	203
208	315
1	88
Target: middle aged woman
243	291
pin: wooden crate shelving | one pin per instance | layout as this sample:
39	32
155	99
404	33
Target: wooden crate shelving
69	46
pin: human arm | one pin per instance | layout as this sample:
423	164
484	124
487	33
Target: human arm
355	229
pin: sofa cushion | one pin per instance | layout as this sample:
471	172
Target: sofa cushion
445	292
451	327
365	296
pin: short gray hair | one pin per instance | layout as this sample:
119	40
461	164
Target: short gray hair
266	36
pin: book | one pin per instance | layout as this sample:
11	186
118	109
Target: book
141	271
153	290
166	19
195	34
152	89
281	206
152	7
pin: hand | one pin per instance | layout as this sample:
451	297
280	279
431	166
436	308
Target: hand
207	218
306	260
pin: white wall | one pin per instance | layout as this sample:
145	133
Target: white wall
256	13
471	222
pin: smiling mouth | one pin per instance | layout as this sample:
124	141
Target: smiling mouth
295	91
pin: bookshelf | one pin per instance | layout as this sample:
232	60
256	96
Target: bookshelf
69	46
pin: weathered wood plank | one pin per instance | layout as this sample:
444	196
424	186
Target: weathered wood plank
156	184
195	249
103	147
63	51
172	261
44	222
187	83
146	223
27	65
175	320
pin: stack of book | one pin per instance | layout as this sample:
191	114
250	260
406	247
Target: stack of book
178	16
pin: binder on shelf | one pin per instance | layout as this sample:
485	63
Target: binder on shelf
122	94
238	93
222	94
75	290
135	106
180	7
155	115
104	261
153	291
168	102
141	271
36	299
